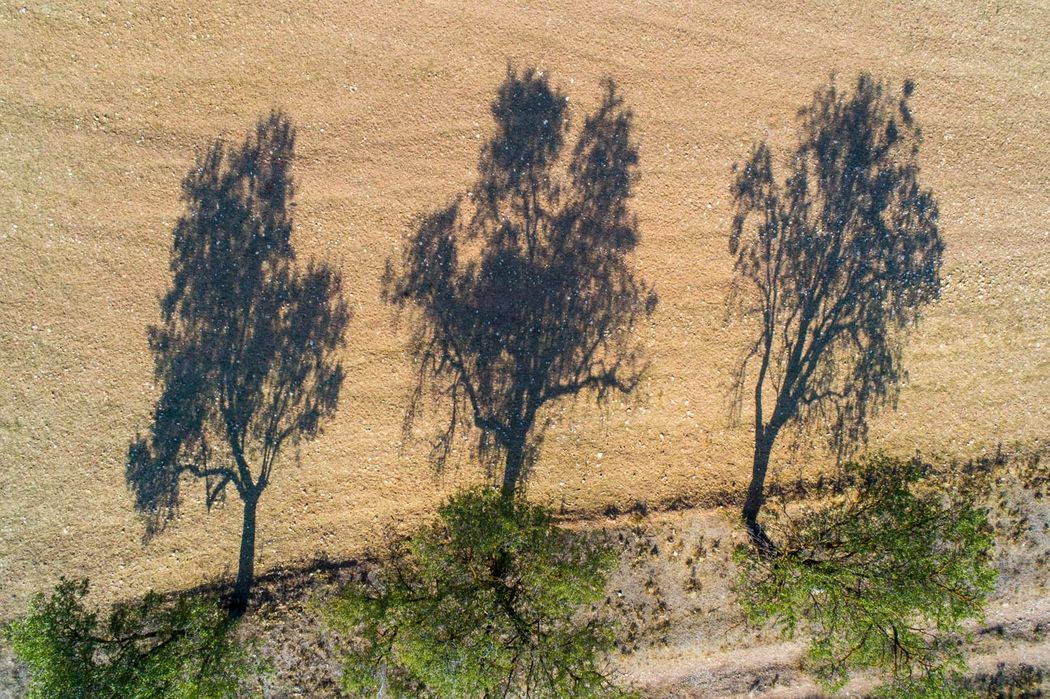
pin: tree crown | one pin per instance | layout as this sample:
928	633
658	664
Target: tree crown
154	648
881	576
485	602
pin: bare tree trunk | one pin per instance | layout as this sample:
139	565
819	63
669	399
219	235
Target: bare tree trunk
755	492
246	563
512	469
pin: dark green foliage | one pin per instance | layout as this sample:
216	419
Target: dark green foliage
881	576
1021	681
484	602
149	649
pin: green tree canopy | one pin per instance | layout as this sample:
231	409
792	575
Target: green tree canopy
153	648
879	577
484	602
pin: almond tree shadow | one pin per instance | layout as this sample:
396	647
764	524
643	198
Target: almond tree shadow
837	262
246	353
522	291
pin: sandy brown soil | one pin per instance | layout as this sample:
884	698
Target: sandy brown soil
104	106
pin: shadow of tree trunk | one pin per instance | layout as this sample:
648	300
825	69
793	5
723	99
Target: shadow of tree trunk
836	262
522	293
248	351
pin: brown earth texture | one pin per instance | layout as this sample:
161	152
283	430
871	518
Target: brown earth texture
104	106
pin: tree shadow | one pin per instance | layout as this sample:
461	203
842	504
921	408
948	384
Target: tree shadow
837	261
246	353
522	290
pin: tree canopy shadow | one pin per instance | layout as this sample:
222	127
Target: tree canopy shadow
246	353
522	289
836	262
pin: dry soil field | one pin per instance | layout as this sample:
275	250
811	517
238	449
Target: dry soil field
103	107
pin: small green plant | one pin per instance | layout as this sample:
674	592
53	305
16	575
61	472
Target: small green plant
488	601
879	577
181	648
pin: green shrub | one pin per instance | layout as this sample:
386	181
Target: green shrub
149	649
485	602
879	577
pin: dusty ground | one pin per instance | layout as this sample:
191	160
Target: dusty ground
104	105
